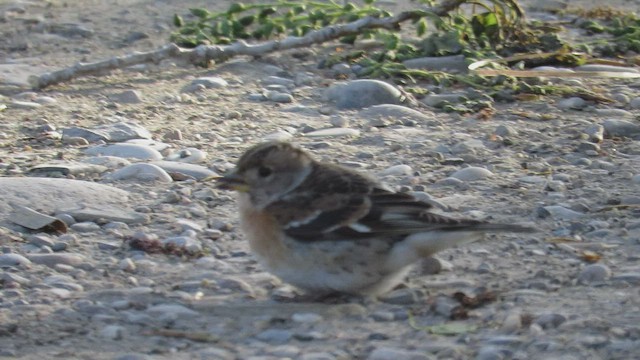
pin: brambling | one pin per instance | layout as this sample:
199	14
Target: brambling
327	229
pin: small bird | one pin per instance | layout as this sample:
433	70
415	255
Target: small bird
328	229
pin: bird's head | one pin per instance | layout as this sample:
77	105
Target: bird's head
268	171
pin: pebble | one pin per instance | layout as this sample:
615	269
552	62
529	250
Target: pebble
635	103
389	353
455	63
404	296
594	273
127	97
549	321
210	82
333	132
397	170
275	336
51	260
141	172
307	318
188	155
572	103
122	130
440	100
381	115
559	212
112	332
358	94
629	277
279	97
195	171
8	260
472	173
125	150
620	128
24	105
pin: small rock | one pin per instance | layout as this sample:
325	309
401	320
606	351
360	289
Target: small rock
572	103
404	296
472	173
127	97
362	93
142	172
504	130
210	82
51	260
455	63
594	273
112	332
439	100
333	132
306	317
7	260
559	212
388	353
188	155
279	97
549	321
397	170
125	150
275	336
621	128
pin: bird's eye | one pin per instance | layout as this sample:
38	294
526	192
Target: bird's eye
264	171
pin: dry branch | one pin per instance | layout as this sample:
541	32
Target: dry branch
220	53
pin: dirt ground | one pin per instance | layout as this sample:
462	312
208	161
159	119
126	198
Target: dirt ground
222	306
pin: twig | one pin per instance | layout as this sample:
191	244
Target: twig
220	53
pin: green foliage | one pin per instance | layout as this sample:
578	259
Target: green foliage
478	29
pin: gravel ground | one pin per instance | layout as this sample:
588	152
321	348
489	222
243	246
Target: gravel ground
569	166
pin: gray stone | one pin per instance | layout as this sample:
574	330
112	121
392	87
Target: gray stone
389	353
559	212
472	173
595	133
109	213
455	63
607	68
397	170
7	260
275	336
403	296
198	172
548	321
125	150
594	273
51	260
359	94
439	100
333	132
572	103
629	277
378	115
119	131
210	82
141	172
127	97
621	128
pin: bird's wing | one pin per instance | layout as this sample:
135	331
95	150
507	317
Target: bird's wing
336	204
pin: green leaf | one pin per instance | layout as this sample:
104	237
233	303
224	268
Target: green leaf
247	20
236	8
200	13
267	11
177	20
421	27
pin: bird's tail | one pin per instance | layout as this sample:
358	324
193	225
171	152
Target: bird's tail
424	244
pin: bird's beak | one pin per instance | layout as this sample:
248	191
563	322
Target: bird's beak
232	182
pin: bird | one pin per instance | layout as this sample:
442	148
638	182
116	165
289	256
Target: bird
328	229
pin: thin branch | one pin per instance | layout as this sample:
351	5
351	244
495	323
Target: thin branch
220	53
